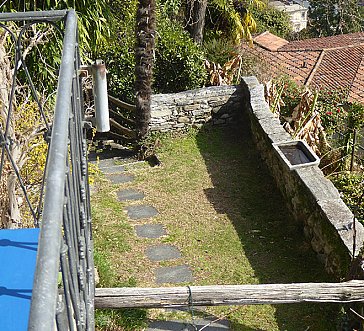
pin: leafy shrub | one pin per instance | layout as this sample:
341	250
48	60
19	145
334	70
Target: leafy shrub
273	20
120	63
219	50
291	95
179	61
351	186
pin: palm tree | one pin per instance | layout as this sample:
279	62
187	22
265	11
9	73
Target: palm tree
144	53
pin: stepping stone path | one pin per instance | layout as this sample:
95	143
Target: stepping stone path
151	231
183	326
175	274
141	211
158	252
113	169
162	253
129	194
120	178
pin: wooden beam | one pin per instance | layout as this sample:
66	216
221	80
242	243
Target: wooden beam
120	118
165	297
121	104
131	134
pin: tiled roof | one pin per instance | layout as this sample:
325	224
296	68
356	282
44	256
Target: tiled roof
270	41
335	62
319	44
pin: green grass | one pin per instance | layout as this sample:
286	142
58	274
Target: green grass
222	210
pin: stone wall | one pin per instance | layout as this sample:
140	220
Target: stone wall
313	199
215	104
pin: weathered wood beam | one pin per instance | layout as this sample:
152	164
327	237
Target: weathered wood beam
123	130
120	118
215	295
121	104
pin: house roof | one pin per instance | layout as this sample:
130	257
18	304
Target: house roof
335	62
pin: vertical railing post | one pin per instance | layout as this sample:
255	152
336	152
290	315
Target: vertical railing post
100	96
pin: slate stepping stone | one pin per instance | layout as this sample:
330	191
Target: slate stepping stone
175	274
120	178
104	163
130	194
141	211
162	253
176	325
113	169
151	231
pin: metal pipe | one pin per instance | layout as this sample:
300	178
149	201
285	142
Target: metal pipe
353	151
52	15
100	95
44	297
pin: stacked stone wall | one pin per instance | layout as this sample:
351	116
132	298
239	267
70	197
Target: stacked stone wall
216	105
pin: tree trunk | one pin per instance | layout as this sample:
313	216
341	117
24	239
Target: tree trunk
144	56
195	17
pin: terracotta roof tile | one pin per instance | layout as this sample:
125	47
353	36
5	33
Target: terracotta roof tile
270	41
357	88
332	62
317	44
338	68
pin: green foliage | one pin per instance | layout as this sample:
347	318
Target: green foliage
291	95
92	17
170	8
43	43
219	50
330	106
356	116
331	17
351	186
121	319
272	20
118	55
178	60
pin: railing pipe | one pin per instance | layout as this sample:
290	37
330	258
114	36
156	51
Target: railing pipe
44	296
53	15
100	94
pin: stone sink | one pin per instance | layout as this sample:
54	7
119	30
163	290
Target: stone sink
296	154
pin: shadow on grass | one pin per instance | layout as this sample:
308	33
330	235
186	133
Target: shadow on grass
272	240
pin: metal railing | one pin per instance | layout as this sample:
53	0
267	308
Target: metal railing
65	243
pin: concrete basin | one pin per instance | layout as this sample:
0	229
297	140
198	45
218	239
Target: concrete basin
296	154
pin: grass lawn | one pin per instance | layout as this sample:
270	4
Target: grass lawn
221	209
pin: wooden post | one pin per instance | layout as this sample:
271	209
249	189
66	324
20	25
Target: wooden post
218	295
